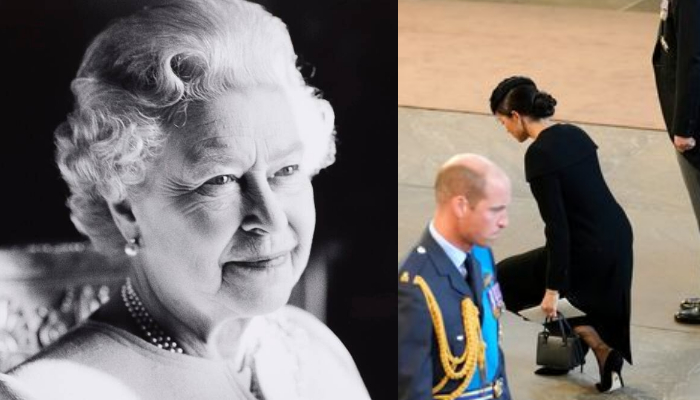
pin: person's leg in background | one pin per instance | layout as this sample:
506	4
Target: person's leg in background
689	311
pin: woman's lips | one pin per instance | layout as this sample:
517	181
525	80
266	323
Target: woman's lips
263	262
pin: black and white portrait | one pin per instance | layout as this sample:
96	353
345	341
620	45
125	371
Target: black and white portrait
193	203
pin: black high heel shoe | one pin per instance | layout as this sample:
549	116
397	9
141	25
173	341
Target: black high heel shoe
611	375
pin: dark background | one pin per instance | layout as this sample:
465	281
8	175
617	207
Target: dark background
351	43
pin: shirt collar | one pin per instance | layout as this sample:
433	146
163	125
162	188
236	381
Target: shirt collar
456	255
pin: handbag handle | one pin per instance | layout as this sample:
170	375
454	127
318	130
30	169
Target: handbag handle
563	323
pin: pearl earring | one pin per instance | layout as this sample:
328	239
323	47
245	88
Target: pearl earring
132	247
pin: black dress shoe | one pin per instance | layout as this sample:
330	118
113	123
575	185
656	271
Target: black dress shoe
688	315
547	371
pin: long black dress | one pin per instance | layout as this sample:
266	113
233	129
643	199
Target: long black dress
588	254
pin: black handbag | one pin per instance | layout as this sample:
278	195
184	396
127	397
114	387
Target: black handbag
560	350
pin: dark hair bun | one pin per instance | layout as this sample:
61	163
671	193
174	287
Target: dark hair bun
543	105
504	87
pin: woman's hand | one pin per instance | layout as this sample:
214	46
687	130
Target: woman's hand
549	302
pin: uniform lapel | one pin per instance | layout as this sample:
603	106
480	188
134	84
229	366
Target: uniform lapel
443	264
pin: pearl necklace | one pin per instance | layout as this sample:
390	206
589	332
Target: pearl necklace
151	330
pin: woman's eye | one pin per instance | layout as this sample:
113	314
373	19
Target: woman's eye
288	170
221	180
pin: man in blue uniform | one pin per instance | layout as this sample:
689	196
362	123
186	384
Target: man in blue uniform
449	298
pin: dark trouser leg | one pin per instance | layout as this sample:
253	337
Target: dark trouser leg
691	178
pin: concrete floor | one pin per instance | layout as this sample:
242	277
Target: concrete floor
641	169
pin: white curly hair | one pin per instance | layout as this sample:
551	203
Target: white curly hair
137	78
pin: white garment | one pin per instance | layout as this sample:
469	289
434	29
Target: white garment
295	357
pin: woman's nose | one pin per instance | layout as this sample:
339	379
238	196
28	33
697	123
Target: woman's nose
263	211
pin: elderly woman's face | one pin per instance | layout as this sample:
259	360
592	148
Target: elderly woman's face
226	217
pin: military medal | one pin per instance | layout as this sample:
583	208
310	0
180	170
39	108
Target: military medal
496	299
664	10
662	34
487	279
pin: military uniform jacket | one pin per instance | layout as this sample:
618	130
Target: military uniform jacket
418	359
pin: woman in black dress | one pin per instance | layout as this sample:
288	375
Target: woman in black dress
588	254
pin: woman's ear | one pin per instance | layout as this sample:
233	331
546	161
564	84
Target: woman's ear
516	116
124	218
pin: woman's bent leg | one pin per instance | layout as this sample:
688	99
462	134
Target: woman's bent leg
522	279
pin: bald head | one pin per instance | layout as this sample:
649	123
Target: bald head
466	175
